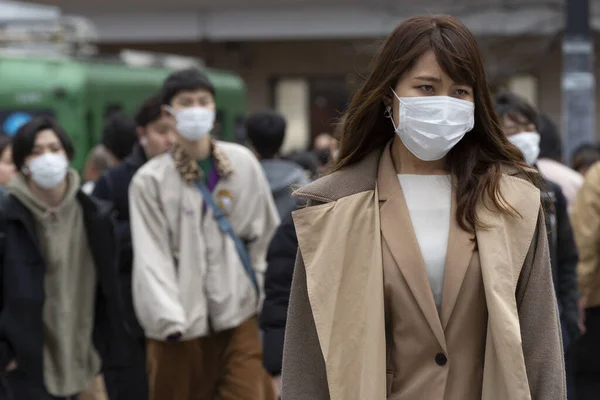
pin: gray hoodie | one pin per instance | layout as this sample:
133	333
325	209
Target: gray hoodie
70	360
282	176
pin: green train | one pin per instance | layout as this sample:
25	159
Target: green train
80	93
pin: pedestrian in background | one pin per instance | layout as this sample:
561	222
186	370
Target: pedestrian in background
519	121
99	160
586	226
585	156
59	321
156	135
266	133
202	218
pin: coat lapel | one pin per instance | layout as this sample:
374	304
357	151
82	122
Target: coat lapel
344	277
398	232
504	242
458	258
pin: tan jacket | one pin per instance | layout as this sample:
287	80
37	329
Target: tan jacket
336	344
186	271
585	219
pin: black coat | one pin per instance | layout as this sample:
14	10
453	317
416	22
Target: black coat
113	187
563	259
22	271
281	258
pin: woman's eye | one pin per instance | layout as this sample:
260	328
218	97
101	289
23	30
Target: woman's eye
426	88
462	92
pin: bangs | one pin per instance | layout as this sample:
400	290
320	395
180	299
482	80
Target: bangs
454	56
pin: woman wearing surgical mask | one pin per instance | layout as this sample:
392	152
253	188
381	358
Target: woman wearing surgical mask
58	268
423	270
517	119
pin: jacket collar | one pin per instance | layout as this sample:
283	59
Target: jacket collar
356	178
15	210
188	168
360	177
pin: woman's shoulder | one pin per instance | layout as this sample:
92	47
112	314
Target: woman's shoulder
528	176
353	179
519	188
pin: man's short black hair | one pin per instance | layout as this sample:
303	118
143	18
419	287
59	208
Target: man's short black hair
585	155
516	108
24	140
119	135
5	141
185	80
266	131
149	112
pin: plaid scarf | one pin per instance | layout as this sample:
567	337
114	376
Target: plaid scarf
188	168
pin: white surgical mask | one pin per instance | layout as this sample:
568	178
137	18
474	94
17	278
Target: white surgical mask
48	170
431	126
529	144
194	123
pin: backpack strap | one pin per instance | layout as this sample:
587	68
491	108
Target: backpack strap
227	229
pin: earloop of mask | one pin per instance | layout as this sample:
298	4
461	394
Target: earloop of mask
388	114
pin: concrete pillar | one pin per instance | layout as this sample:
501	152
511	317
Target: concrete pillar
292	100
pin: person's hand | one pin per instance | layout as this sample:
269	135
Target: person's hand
174	337
581	322
276	380
11	366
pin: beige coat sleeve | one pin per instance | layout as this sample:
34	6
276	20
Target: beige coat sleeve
303	371
585	219
540	324
155	288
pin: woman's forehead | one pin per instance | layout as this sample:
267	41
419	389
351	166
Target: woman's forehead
427	66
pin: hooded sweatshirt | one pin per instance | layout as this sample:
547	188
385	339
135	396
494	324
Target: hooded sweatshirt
70	360
282	175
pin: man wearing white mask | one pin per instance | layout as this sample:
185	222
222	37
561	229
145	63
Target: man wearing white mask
202	217
518	119
59	321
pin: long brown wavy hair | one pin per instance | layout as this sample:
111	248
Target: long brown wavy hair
476	160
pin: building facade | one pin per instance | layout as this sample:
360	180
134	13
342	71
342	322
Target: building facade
305	58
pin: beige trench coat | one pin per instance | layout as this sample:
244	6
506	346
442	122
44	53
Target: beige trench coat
335	346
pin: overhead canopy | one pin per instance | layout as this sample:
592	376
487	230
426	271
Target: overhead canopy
241	20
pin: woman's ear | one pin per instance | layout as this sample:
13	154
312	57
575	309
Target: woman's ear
387	101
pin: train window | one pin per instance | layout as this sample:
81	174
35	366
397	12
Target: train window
12	120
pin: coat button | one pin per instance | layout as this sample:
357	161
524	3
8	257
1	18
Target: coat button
441	359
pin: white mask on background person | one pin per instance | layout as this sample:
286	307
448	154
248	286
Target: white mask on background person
194	123
529	144
431	126
48	170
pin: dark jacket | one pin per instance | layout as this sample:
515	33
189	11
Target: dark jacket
113	187
563	258
22	270
278	282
